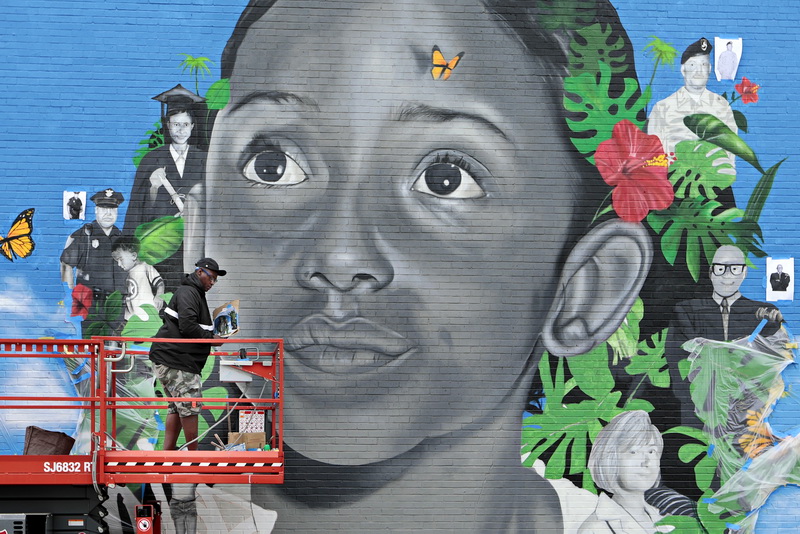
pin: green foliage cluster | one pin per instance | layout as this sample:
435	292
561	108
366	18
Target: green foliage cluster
580	393
562	434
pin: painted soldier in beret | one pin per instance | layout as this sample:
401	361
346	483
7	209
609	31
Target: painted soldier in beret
666	119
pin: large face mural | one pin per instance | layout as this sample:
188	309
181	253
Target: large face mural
490	247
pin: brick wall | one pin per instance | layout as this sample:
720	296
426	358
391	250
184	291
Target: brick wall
418	198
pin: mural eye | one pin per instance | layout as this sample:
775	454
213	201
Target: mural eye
443	178
274	168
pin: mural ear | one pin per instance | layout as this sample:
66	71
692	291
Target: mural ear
599	283
194	237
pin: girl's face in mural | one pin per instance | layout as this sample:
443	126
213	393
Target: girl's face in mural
401	233
639	467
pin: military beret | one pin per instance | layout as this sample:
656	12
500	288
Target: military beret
701	47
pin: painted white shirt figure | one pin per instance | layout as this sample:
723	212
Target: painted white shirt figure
666	118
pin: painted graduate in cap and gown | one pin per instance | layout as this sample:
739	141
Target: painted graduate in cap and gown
167	173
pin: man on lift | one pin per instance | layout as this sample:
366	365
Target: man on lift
178	365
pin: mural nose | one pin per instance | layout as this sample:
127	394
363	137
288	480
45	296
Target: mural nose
350	259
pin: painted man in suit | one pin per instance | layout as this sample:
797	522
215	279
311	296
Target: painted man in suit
779	280
724	315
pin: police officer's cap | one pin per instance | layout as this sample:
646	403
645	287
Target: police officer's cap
107	198
701	47
211	264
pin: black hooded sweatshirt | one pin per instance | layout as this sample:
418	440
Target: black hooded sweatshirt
185	317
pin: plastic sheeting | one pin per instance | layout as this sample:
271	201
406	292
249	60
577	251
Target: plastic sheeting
735	387
136	428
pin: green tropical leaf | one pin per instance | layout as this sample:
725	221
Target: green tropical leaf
697	451
695	223
112	307
740	119
159	239
662	51
650	360
592	373
567	428
218	94
95	328
701	170
710	128
589	96
759	196
717	523
595	45
196	66
748	235
566	14
136	327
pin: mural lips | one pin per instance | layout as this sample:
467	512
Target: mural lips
353	345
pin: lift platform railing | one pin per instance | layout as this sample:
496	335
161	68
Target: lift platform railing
106	359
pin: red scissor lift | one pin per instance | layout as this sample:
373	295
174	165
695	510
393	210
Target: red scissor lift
86	477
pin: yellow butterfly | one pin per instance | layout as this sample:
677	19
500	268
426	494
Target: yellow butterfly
441	67
758	436
19	243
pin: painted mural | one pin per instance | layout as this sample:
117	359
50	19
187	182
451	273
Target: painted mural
518	253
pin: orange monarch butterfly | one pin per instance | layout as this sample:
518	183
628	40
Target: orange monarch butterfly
441	67
19	243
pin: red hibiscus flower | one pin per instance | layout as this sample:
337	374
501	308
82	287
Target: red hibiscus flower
634	164
748	90
81	301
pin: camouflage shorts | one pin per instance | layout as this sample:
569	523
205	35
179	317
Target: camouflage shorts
179	383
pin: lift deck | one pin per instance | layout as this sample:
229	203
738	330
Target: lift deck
106	464
107	357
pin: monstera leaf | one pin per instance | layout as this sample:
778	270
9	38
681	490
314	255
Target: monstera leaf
566	14
695	223
597	44
589	96
701	170
565	429
159	239
650	361
711	129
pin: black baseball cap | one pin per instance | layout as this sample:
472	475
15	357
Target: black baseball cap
210	263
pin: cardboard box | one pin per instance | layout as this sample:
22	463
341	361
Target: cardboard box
251	440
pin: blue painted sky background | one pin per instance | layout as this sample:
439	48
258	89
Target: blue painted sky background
78	77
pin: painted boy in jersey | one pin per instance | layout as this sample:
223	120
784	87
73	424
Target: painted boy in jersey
405	236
